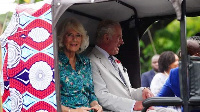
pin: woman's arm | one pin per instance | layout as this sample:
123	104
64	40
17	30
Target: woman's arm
65	109
171	86
166	91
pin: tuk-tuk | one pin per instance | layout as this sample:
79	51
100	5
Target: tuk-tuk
30	72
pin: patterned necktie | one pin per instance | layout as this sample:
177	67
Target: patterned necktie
116	68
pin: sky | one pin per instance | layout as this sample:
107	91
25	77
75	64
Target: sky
7	5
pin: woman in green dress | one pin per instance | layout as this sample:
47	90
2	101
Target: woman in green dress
77	90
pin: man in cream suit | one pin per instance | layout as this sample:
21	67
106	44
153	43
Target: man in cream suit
113	92
111	85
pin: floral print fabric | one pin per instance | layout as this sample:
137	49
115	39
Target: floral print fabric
77	88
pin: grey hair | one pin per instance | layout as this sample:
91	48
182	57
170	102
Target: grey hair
105	27
74	24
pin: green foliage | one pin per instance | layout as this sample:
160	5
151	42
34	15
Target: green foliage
167	39
38	0
22	1
4	21
3	17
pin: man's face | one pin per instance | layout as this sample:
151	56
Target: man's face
115	41
154	63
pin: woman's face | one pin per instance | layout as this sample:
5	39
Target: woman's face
72	40
174	64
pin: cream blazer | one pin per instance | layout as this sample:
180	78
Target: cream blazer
109	88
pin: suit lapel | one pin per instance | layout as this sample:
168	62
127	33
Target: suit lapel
123	71
105	62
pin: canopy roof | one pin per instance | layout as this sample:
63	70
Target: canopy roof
122	10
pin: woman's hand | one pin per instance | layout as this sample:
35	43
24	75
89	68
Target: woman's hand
97	108
82	109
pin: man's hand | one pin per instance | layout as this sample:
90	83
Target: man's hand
138	106
146	93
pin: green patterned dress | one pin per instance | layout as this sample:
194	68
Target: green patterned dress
77	88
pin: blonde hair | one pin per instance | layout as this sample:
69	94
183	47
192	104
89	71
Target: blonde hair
74	24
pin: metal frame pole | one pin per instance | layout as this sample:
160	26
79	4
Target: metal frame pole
184	59
55	51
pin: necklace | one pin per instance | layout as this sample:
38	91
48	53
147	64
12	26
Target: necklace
73	63
165	73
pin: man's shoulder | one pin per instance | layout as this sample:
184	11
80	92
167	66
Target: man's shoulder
94	53
147	73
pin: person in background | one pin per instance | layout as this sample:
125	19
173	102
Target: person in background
111	81
77	91
171	88
147	77
166	62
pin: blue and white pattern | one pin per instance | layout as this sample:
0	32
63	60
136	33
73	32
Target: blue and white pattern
39	34
23	77
26	18
28	52
11	29
48	50
6	105
16	100
40	75
14	52
27	56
